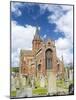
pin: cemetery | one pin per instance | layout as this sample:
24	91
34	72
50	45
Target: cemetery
22	87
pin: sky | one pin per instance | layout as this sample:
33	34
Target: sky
54	22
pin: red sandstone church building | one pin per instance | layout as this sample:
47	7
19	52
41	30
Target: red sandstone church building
41	59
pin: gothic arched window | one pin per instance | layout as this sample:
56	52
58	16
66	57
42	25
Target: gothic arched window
48	55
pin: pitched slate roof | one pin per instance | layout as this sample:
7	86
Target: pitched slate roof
27	52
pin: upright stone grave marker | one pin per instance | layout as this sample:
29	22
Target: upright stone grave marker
51	82
42	81
13	85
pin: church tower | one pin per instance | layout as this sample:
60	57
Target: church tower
36	43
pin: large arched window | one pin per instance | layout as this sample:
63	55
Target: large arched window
39	67
48	56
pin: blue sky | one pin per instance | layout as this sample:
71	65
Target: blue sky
54	21
31	15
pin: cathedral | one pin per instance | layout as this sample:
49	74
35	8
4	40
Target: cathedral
41	59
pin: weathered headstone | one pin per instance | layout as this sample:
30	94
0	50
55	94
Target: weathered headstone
66	74
71	75
23	81
17	82
13	85
51	82
42	81
32	83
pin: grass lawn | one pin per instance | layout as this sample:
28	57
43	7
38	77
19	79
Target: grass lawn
60	83
13	93
39	91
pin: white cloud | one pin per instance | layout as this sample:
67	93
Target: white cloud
56	11
15	58
65	24
21	38
67	55
63	43
62	16
64	48
15	8
44	36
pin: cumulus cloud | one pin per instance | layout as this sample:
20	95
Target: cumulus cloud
21	38
62	16
15	58
54	9
64	48
15	8
65	25
65	45
44	36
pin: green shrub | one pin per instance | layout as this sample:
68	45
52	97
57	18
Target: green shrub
15	69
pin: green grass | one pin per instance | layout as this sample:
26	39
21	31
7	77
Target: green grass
40	91
60	83
13	93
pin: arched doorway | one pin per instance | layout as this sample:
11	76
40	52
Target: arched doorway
48	59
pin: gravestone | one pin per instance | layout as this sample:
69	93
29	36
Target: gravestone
13	85
42	81
17	83
66	75
32	83
51	77
71	75
23	80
